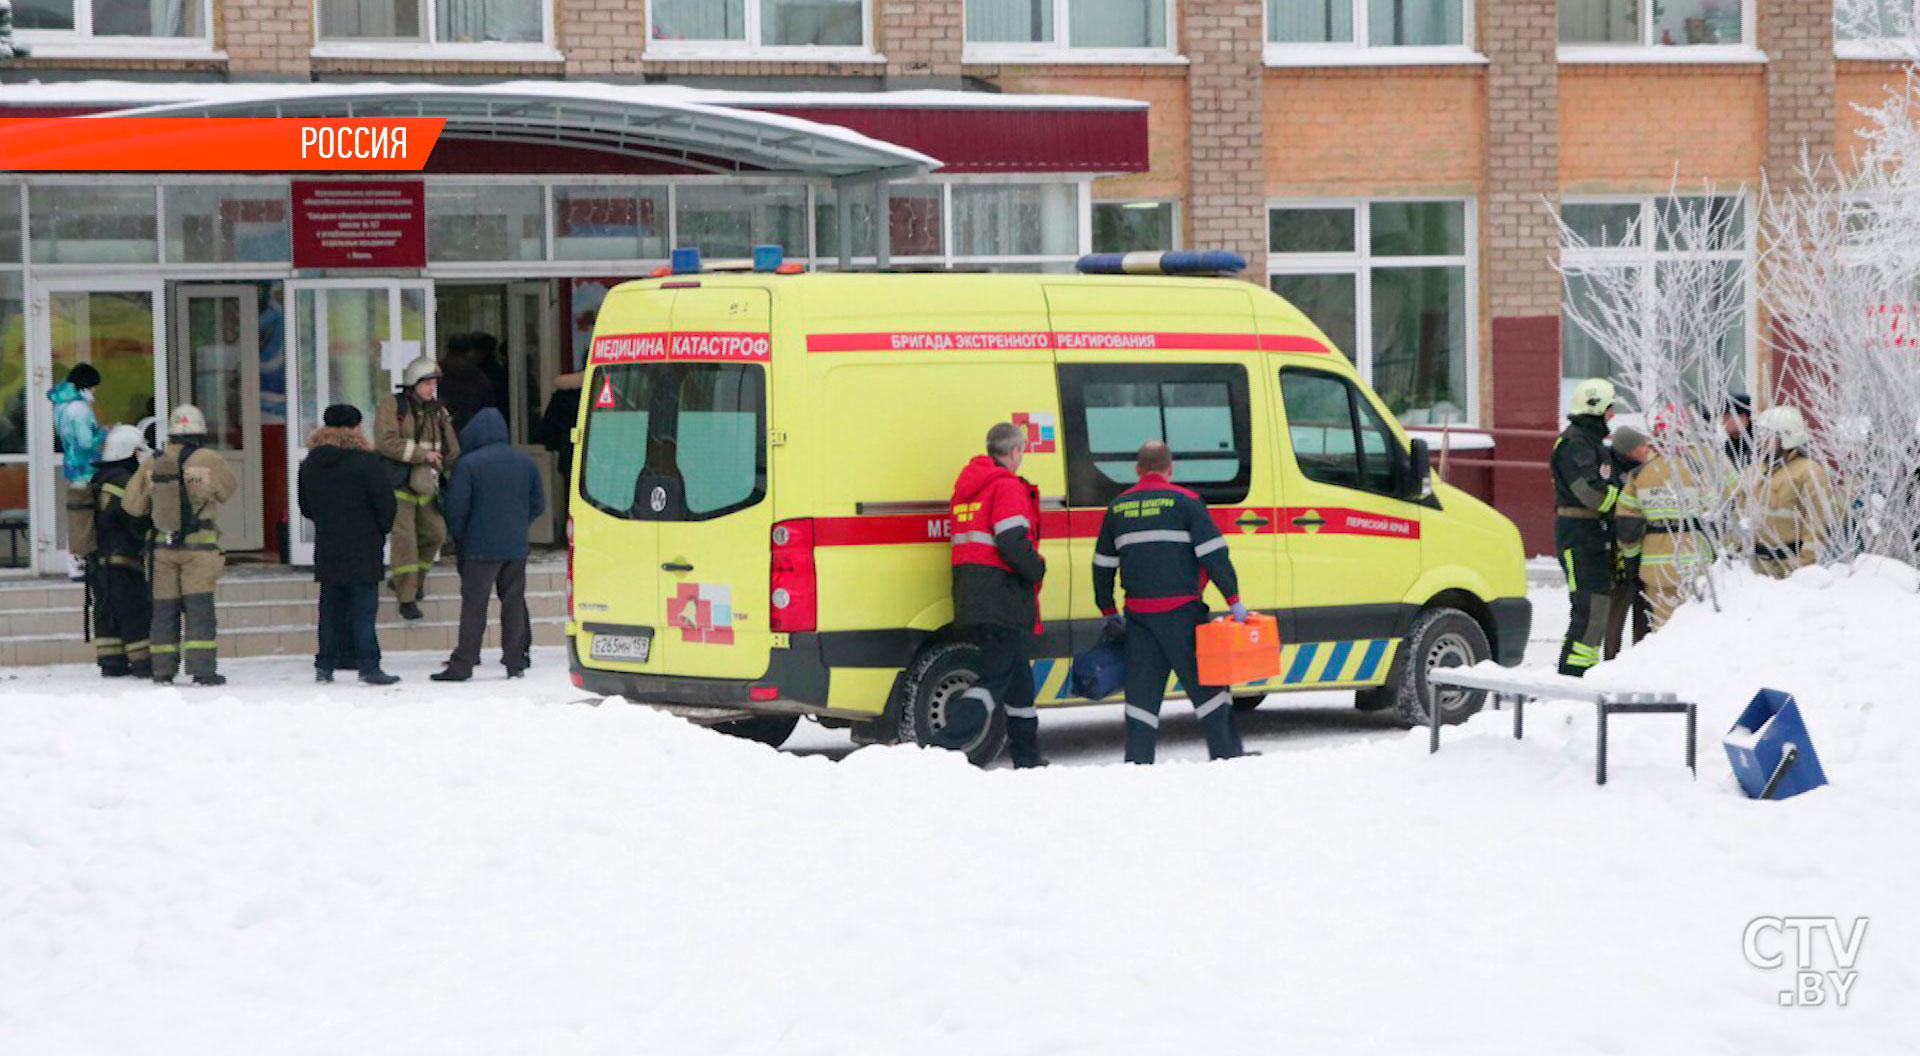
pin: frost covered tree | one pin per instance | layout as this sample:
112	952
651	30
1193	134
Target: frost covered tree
1669	328
1840	266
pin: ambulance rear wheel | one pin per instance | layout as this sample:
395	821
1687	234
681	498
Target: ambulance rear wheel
1249	701
937	712
1440	638
770	730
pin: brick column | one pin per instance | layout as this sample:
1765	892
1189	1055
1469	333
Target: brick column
1519	239
601	38
922	41
1797	36
266	39
1226	204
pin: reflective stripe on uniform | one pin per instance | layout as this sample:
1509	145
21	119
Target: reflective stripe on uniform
401	570
1566	558
1580	654
408	496
1023	713
1009	523
1158	536
1613	496
1103	561
1142	715
114	490
1218	542
161	647
406	453
963	538
1214	703
1628	503
199	645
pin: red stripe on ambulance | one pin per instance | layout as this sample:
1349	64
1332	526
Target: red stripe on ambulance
1062	340
934	341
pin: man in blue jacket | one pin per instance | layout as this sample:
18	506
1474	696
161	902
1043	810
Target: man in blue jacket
79	433
493	495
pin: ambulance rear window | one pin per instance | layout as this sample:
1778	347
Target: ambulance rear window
1200	410
675	441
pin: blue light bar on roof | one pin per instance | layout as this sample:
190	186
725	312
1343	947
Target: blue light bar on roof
768	258
685	260
1177	262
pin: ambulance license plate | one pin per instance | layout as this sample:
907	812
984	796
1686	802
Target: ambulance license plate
625	648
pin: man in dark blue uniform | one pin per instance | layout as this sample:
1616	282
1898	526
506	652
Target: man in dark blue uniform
1163	543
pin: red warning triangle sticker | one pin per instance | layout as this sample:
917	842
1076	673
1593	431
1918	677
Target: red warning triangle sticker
605	399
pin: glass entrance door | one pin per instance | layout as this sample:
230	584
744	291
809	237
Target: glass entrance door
116	327
349	342
216	367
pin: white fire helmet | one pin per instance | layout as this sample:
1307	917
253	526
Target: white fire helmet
421	369
1592	396
187	421
123	442
1785	423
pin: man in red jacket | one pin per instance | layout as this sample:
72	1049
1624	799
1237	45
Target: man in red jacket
997	569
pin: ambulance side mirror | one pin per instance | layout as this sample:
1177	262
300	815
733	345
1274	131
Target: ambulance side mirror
1417	482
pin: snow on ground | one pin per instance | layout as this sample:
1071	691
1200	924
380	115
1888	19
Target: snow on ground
282	868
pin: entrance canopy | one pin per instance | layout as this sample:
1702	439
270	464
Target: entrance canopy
664	126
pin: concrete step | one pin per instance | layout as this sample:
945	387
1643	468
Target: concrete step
267	612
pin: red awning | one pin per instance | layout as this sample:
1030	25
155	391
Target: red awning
1001	140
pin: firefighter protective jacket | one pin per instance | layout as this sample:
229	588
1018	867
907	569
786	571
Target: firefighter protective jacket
1163	543
1584	477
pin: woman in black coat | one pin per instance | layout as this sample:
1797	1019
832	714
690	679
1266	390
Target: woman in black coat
345	493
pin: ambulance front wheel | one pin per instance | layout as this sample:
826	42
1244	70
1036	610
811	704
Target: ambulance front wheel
770	730
937	711
1440	638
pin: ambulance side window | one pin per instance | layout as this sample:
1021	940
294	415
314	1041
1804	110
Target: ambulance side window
1337	436
1200	410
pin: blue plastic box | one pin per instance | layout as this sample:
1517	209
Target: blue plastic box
1760	739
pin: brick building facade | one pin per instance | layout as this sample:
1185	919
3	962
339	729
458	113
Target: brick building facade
1393	179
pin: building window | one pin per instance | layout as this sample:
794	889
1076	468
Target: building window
1015	220
704	25
1134	227
1389	283
227	223
1005	227
1649	23
726	220
80	19
94	223
914	226
609	223
1617	239
485	221
1015	28
434	21
1368	23
1872	28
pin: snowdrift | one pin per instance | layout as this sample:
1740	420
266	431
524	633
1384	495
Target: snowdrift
318	870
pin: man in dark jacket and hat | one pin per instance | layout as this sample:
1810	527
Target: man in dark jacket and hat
344	491
493	495
997	571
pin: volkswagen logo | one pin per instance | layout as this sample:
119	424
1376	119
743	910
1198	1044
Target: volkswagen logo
658	500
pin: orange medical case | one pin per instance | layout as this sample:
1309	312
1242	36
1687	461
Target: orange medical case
1235	653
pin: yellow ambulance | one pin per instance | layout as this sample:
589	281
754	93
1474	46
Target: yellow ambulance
760	527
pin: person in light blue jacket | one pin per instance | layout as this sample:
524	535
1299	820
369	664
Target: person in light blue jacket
79	433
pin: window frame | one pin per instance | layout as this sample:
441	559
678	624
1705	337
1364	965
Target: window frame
1178	241
1061	50
542	50
1088	488
750	49
1644	50
1398	451
1648	256
1359	52
1361	263
80	41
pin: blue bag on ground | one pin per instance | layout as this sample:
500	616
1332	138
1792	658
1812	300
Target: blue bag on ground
1100	672
1770	728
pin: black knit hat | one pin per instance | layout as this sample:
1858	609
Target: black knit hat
84	376
341	416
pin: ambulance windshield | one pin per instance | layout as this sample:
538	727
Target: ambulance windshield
675	441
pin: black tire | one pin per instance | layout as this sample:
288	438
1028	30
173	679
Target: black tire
1439	638
934	715
770	730
1249	702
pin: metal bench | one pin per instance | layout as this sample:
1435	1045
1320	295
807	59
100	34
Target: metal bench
1520	687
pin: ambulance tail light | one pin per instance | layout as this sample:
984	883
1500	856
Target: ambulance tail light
793	602
569	569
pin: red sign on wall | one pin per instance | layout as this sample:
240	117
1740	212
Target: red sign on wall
359	224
